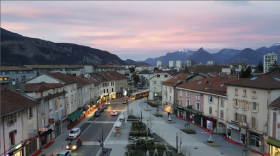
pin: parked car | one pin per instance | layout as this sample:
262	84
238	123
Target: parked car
105	106
124	101
136	86
114	112
74	144
108	103
100	109
74	133
97	113
64	153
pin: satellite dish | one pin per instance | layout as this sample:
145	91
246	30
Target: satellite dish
14	83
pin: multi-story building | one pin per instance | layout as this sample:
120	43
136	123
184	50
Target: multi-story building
17	74
248	114
204	102
274	128
102	68
268	60
19	129
159	64
144	67
64	69
179	64
155	86
209	62
145	75
171	64
188	63
168	91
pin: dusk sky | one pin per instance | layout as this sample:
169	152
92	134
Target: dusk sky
139	30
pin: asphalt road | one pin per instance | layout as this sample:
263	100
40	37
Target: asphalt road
92	130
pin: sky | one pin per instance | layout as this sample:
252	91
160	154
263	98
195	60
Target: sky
147	29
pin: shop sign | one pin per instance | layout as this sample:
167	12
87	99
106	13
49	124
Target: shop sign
51	120
43	129
29	141
232	126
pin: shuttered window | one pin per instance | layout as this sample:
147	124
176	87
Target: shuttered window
253	122
222	102
210	110
222	114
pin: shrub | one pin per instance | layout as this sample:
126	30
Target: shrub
132	117
189	131
158	115
139	133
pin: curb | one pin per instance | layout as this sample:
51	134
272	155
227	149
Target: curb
196	125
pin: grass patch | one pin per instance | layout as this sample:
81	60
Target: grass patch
158	115
189	131
152	104
132	117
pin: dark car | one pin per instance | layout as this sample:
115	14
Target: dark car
105	106
100	109
97	113
74	144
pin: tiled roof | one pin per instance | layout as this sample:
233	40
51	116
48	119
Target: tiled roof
116	75
264	81
62	77
98	77
39	87
13	102
215	85
172	73
109	66
53	66
95	82
174	80
12	68
81	82
275	103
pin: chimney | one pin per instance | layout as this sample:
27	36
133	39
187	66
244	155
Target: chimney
22	88
12	86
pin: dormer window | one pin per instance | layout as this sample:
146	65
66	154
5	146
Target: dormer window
236	91
158	75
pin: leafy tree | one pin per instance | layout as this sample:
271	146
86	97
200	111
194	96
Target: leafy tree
186	70
132	69
136	79
246	73
156	68
260	66
274	68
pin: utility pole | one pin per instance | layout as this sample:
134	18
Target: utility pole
177	142
102	140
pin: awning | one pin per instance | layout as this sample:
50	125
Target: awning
75	115
273	142
85	108
47	132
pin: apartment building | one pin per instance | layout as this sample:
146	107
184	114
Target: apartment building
144	67
274	129
145	75
19	129
204	102
155	83
268	60
248	114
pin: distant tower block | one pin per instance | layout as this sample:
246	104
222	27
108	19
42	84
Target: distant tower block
210	62
159	64
179	64
268	61
171	63
188	63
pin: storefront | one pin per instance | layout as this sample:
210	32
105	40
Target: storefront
209	123
119	94
157	96
64	124
255	140
168	108
74	117
113	95
105	97
31	146
233	132
57	128
190	115
46	136
274	147
17	150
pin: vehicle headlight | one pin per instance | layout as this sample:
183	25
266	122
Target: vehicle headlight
74	147
67	147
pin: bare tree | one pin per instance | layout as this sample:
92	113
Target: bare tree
187	150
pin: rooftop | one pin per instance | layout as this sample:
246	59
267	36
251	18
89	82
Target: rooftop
81	82
174	80
53	66
39	87
62	77
12	102
109	66
269	81
145	72
13	68
275	103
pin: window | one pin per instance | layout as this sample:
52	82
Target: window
244	118
210	99
50	104
155	89
12	138
187	102
43	123
197	106
180	92
112	89
187	94
222	102
170	90
158	75
210	110
165	76
42	108
254	93
253	122
254	106
244	92
30	112
236	91
169	98
236	102
11	119
155	82
197	96
107	91
236	116
31	128
104	90
180	102
221	114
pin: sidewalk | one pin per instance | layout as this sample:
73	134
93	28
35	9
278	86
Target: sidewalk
168	131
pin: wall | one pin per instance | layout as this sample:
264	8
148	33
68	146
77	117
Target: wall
43	78
28	121
158	84
192	99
